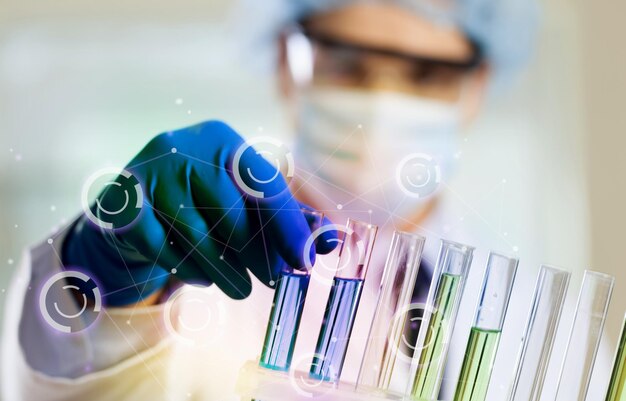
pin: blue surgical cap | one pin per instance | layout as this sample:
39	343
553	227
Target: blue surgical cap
504	29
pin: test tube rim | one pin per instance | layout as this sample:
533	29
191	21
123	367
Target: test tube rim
311	211
502	255
413	235
370	226
367	256
464	247
589	272
554	268
439	270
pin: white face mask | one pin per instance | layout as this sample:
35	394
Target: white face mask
353	140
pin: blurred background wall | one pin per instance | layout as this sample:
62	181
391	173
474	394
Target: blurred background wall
604	84
85	84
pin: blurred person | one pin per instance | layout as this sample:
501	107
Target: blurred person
366	83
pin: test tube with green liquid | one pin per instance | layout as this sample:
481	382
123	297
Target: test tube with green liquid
484	336
617	385
431	353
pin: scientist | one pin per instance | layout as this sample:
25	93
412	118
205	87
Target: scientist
370	85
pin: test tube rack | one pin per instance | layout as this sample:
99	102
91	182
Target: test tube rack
257	383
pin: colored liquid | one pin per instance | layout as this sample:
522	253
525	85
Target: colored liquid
477	365
282	328
334	336
617	386
435	350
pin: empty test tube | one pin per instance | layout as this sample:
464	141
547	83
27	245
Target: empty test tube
429	360
332	343
539	334
617	385
584	337
394	297
484	337
284	320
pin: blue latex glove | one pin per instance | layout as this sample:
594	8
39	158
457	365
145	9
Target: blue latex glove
219	235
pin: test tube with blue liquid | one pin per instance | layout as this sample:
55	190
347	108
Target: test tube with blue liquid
284	320
357	242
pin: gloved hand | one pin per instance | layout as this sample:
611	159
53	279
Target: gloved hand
196	221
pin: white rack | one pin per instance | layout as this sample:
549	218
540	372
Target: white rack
256	383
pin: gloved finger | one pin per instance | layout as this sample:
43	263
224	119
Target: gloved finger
152	241
260	253
280	213
230	276
185	268
285	229
147	257
193	235
235	223
221	205
327	241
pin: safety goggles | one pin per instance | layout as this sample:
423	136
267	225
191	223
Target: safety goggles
315	58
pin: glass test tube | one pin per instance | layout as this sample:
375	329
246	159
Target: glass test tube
284	320
584	337
539	334
428	364
343	301
394	298
617	385
485	334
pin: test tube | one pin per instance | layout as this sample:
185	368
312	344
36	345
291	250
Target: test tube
343	301
539	334
485	334
617	385
430	357
584	337
287	306
394	297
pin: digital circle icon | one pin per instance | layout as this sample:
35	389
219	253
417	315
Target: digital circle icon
411	318
112	198
258	179
70	301
418	175
195	315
